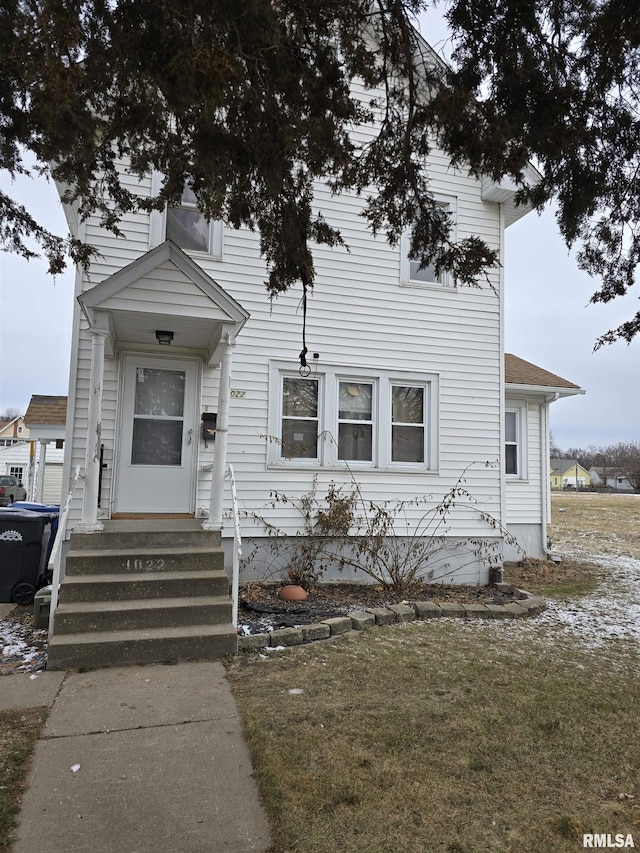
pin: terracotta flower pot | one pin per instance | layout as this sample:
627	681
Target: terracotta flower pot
291	592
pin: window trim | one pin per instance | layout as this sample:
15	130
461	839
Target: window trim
520	410
450	204
329	377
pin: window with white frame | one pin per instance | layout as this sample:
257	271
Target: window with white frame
299	425
335	418
515	441
188	228
410	271
16	471
355	421
407	423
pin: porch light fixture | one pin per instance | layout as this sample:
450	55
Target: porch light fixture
164	338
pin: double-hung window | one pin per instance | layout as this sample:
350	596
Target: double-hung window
411	273
299	424
355	421
190	229
184	224
408	423
371	420
515	441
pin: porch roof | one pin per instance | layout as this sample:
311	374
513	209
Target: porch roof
163	290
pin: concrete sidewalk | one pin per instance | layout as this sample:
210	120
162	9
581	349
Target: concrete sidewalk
137	759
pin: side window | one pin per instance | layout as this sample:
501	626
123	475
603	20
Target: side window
512	442
410	271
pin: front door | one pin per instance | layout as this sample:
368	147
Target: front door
158	436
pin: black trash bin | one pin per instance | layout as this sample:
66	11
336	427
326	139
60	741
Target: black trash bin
51	513
20	551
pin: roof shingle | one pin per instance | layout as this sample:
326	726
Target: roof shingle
517	371
45	410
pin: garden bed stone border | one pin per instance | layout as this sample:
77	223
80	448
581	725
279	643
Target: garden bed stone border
526	604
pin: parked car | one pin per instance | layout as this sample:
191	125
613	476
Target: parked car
11	490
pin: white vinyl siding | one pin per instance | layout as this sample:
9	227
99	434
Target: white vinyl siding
524	493
365	330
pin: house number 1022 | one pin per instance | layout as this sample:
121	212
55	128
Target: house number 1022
145	565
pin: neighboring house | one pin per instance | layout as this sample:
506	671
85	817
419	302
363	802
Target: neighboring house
569	474
18	461
13	431
610	478
181	366
46	417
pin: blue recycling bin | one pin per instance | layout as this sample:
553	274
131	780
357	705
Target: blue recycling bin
52	511
21	534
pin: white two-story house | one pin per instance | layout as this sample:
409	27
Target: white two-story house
181	367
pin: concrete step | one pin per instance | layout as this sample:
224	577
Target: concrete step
136	585
151	645
95	561
152	533
83	617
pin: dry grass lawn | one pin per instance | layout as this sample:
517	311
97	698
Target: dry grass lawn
452	736
19	731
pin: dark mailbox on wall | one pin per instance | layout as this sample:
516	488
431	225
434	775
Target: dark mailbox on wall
209	420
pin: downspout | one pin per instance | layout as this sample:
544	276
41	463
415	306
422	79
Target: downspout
545	474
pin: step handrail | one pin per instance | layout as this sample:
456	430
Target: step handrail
237	547
55	558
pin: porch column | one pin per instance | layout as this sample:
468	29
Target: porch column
31	476
214	522
90	523
42	461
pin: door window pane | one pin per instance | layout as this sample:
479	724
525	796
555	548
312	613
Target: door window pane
156	442
159	392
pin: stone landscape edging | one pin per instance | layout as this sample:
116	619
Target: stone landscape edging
526	604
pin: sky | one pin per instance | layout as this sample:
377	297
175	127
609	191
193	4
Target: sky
549	322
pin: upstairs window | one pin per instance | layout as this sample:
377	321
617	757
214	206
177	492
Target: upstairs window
188	228
410	272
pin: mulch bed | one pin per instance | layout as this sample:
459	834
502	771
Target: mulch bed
260	609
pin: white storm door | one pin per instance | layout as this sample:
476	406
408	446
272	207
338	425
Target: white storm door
158	436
